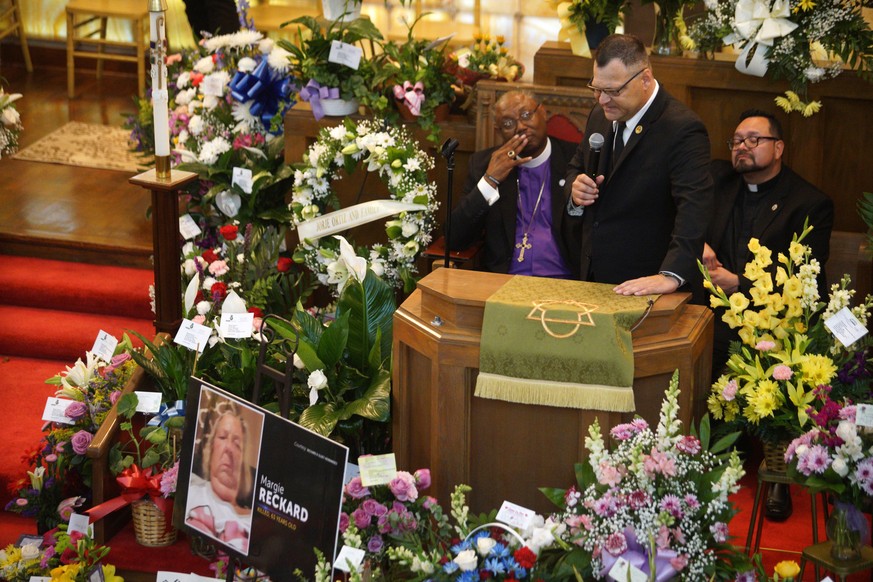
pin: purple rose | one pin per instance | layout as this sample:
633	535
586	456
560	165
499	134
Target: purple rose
80	441
373	507
355	490
344	522
114	396
375	544
76	410
361	517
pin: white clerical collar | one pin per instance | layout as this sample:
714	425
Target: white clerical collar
752	187
540	159
633	121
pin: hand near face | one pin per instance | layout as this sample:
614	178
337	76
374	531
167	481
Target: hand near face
502	163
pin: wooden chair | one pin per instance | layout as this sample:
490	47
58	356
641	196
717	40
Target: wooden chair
10	21
567	111
439	22
81	13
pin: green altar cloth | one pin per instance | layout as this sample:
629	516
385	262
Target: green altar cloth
554	342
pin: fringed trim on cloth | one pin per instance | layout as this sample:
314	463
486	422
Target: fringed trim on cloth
551	393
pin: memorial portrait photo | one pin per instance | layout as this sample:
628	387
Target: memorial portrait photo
221	483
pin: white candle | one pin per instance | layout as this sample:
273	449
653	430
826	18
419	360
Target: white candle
160	96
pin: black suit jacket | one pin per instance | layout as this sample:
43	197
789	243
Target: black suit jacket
654	204
782	214
473	214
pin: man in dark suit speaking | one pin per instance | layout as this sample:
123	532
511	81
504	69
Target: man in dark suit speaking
646	208
514	192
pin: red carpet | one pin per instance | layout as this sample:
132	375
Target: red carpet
53	311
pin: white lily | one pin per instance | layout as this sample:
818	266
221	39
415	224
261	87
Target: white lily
357	266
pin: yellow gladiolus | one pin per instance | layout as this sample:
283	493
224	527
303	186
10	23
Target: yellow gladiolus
796	251
792	288
753	271
781	274
754	245
739	302
747	335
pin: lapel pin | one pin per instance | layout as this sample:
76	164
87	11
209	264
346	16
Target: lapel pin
774	207
638	129
561	182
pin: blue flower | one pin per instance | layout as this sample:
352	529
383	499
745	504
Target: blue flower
495	566
464	545
450	567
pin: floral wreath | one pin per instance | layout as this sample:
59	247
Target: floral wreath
401	164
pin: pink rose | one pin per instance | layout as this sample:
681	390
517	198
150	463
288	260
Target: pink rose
114	396
422	478
782	372
80	442
403	487
362	518
344	522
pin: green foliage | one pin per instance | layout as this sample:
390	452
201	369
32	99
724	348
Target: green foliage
170	365
310	57
152	449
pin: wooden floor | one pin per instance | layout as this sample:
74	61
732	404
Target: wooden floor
68	212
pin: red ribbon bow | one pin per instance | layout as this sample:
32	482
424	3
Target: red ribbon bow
135	484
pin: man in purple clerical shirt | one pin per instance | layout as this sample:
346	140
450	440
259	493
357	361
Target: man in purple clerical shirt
514	193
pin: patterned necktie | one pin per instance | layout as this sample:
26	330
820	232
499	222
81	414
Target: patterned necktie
618	146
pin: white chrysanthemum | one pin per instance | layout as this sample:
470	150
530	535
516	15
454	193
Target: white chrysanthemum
337	132
814	74
208	282
203	307
185	96
236	40
195	125
204	65
247	64
212	149
266	45
279	59
183	79
210	102
242	114
189	267
183	136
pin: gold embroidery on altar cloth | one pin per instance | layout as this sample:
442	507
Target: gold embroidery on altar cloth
583	315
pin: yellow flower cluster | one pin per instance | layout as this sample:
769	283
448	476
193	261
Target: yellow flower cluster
793	102
72	573
772	374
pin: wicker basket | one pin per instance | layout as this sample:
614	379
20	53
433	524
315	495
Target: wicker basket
774	456
149	525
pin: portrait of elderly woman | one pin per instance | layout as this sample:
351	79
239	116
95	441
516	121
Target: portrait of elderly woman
221	486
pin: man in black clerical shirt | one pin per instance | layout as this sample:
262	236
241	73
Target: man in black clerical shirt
756	196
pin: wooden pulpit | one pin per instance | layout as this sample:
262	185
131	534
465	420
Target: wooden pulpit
503	450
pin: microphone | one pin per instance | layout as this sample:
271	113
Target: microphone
450	145
595	142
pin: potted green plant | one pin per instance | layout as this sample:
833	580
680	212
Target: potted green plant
331	85
415	82
585	23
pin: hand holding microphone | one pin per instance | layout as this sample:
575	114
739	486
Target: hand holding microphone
585	189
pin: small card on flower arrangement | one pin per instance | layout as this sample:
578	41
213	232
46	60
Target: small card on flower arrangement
187	227
515	515
377	469
55	410
845	327
192	335
864	415
40	579
172	577
29	539
242	177
212	85
345	54
79	522
624	571
148	402
96	574
104	346
237	325
349	558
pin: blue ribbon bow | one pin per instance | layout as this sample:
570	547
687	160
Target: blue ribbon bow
268	88
165	413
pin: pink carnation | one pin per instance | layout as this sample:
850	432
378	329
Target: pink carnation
689	444
782	372
729	391
765	346
616	544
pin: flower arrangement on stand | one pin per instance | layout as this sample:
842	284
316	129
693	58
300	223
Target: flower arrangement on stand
413	78
397	159
486	59
325	81
585	23
786	352
63	556
60	468
836	457
10	123
659	499
801	41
